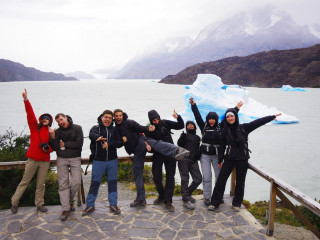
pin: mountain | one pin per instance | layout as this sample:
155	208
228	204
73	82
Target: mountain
80	75
296	67
243	34
13	71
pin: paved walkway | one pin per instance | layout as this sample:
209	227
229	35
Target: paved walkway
150	222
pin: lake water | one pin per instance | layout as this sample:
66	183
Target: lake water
290	152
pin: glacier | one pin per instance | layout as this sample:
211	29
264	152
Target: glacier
210	94
291	89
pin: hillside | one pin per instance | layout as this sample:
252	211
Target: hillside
12	71
296	67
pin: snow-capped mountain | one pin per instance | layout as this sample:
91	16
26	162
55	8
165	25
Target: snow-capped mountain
240	35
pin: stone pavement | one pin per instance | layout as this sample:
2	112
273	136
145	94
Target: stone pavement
150	222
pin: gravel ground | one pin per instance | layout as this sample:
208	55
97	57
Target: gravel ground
282	231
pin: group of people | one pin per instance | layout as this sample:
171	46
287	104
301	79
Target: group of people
223	146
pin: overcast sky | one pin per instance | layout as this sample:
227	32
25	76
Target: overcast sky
86	35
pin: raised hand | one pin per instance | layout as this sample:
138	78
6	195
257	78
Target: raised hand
239	104
25	95
191	101
175	115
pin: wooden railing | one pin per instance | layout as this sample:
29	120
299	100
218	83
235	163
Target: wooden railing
276	188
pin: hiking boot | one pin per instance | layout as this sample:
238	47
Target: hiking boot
181	153
14	209
222	201
138	203
192	200
189	205
158	201
87	211
236	209
207	202
115	210
211	208
169	206
42	208
64	216
72	208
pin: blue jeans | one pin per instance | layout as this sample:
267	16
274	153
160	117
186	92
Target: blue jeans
98	168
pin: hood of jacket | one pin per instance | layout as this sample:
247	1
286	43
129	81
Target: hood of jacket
47	114
152	114
191	131
212	115
236	123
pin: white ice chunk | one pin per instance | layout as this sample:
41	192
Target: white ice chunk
289	88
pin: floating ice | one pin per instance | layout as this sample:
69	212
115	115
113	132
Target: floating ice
289	88
211	94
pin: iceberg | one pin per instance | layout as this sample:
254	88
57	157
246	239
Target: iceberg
291	89
210	94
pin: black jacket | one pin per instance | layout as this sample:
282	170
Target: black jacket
72	136
191	142
114	141
132	131
234	138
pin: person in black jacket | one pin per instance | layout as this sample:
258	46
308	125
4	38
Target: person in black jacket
234	152
210	130
105	139
138	144
67	141
163	132
190	141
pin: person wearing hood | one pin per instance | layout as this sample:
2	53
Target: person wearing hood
163	132
234	153
105	139
210	130
38	155
67	141
138	144
190	141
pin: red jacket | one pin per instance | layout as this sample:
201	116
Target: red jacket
35	152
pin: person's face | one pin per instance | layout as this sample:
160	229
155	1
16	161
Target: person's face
155	121
211	122
45	122
190	126
118	117
231	119
62	121
106	120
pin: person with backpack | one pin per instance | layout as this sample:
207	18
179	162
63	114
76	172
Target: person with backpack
163	132
234	153
210	130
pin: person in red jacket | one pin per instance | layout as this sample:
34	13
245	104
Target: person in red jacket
38	156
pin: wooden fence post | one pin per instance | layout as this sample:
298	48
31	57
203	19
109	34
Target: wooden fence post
272	208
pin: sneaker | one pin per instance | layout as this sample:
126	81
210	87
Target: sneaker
189	205
137	203
169	206
207	202
42	208
158	201
14	209
181	153
192	200
64	216
87	211
211	208
236	209
115	210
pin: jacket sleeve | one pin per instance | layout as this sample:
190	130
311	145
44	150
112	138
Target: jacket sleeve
137	127
116	140
182	140
79	139
197	116
94	133
249	127
31	117
54	143
175	125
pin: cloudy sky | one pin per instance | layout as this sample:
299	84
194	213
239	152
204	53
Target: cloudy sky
87	35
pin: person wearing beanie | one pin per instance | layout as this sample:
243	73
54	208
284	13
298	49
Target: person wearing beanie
210	130
67	141
38	156
190	141
163	132
234	153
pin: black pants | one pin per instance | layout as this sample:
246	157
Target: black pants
241	173
186	167
165	192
